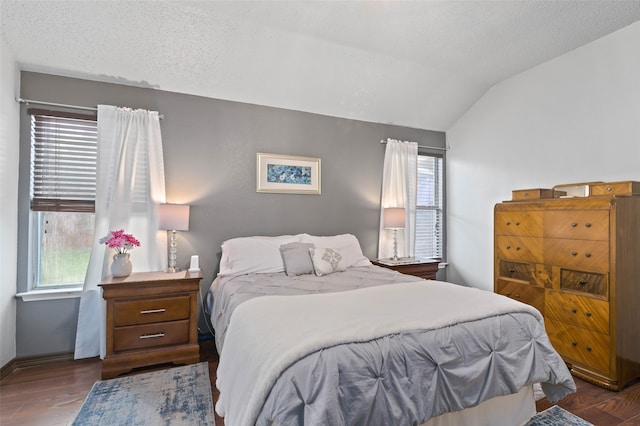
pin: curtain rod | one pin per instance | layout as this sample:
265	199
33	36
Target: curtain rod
53	104
382	141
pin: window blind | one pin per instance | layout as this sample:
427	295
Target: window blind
63	161
429	207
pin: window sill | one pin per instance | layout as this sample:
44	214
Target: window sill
51	294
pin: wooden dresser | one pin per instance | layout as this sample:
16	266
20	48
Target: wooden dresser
151	319
577	260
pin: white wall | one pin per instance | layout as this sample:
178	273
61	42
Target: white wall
9	137
573	119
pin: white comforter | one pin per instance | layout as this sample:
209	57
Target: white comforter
268	334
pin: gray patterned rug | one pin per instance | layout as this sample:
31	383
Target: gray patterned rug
175	396
556	416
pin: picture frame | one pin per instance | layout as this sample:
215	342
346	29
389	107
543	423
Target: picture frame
287	174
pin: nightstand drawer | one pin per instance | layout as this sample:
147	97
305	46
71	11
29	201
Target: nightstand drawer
150	335
145	311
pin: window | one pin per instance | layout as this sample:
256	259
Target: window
62	195
429	207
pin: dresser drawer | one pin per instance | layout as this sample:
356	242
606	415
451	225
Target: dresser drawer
150	335
577	224
616	188
577	254
528	249
524	223
596	284
515	270
525	293
582	346
532	194
581	311
144	311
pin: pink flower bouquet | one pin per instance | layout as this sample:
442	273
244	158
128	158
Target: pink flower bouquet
119	241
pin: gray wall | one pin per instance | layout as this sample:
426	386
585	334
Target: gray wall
210	148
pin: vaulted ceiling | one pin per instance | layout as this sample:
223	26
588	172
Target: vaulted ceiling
413	63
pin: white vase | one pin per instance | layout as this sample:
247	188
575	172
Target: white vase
121	266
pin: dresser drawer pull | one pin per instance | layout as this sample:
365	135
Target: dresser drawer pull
507	293
574	253
573	225
574	310
517	248
517	223
517	296
512	271
574	343
152	336
508	223
588	313
582	282
153	311
589	348
587	254
508	247
588	225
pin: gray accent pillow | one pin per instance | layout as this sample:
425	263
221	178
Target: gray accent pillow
296	258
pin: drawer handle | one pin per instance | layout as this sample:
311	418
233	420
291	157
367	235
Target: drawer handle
517	223
512	271
152	336
573	225
588	225
507	223
588	313
153	311
609	189
582	282
508	247
517	248
574	310
589	348
587	254
574	343
517	296
574	253
507	293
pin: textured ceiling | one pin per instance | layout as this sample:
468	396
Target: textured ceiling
416	63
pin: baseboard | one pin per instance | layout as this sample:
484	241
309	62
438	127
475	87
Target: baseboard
31	361
7	369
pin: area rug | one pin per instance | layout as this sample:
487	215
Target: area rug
555	416
175	396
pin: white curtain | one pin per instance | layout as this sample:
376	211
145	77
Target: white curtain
399	183
130	185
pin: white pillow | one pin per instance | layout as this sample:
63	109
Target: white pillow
326	261
253	255
346	244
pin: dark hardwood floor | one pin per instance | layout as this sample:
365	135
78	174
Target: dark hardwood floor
52	394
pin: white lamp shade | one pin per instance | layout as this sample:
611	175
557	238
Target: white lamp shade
394	218
173	217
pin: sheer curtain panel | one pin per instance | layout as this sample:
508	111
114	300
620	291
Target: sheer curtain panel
129	187
399	180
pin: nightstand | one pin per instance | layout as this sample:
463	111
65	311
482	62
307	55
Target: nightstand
151	319
426	268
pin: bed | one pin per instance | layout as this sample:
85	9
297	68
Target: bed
310	332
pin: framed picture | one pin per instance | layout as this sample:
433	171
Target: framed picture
288	174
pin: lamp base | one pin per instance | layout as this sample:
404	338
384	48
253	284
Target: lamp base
172	270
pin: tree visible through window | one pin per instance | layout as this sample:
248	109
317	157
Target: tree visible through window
429	207
62	192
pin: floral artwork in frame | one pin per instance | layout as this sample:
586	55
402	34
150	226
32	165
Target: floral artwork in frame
287	174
